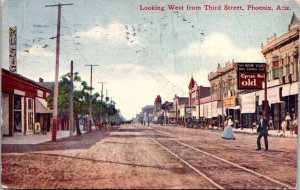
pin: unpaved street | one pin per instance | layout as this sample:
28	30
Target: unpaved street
133	157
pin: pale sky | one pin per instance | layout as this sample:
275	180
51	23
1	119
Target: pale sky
140	53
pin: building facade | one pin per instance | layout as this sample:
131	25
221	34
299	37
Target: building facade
223	84
281	54
24	105
180	104
195	94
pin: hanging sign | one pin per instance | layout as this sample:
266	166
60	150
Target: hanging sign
251	75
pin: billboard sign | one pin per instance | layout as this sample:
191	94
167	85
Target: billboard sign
251	75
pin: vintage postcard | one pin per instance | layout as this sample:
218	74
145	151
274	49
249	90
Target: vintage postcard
149	94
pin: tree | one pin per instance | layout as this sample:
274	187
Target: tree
81	98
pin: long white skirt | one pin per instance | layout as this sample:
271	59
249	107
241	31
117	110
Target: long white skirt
228	133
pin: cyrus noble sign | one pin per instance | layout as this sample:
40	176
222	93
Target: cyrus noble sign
251	75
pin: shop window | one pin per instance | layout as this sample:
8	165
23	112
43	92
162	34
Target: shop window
30	118
17	113
276	73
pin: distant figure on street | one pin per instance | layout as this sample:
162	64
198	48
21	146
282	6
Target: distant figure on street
262	130
283	127
271	123
228	132
288	119
295	124
148	121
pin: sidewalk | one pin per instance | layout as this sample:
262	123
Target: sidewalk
270	132
37	138
273	133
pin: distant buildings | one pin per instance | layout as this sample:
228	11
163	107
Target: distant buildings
223	98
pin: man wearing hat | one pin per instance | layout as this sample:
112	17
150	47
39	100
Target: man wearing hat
262	131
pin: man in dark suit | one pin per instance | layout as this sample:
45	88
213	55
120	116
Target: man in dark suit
262	130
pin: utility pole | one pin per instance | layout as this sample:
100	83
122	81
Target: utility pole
71	101
101	98
56	69
106	103
91	88
266	98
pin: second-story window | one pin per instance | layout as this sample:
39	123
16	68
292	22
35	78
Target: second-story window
276	70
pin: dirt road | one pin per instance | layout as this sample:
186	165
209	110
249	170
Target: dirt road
128	158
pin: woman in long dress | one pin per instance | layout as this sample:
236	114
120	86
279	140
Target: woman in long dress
228	132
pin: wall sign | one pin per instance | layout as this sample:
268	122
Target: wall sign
19	92
13	49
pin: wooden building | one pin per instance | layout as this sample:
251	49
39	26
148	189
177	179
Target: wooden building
24	106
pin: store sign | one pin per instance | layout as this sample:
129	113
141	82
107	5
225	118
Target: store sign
229	102
251	75
13	49
19	92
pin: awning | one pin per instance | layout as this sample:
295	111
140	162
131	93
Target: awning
248	103
272	95
286	90
205	110
195	113
219	109
41	106
201	110
214	109
209	113
234	108
294	88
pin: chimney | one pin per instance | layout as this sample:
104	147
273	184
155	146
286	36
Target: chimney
41	79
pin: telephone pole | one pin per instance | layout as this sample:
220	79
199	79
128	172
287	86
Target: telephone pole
71	125
91	97
101	98
56	69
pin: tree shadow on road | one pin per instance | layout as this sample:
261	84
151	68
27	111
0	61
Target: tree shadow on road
101	161
83	141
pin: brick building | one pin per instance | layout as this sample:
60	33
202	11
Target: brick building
281	54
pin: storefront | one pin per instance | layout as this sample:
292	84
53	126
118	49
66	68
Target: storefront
22	101
248	110
232	110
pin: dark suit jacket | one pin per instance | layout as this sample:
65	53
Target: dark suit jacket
263	128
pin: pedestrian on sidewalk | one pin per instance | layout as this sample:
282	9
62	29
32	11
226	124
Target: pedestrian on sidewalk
271	123
295	124
262	130
228	132
289	125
